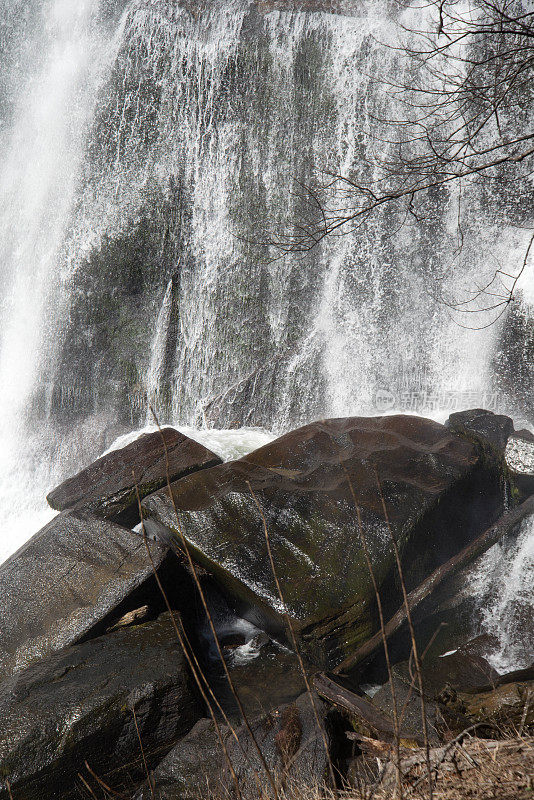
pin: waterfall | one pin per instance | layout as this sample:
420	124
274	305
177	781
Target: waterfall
145	146
40	167
157	355
216	115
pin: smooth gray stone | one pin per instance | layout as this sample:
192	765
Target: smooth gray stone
63	582
92	703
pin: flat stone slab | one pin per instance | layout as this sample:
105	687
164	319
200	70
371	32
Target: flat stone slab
65	580
107	487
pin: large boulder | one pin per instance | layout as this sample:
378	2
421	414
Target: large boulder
107	487
265	676
66	580
291	741
440	491
292	744
92	703
458	670
409	710
192	769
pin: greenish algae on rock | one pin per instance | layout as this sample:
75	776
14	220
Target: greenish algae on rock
438	490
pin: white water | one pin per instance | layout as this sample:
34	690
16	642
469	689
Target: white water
227	444
504	582
157	354
38	173
241	110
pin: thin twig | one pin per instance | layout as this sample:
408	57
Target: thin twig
450	746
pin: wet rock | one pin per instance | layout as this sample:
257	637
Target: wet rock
192	768
409	709
265	676
480	646
107	487
494	428
510	703
65	581
457	670
516	676
292	744
439	493
91	703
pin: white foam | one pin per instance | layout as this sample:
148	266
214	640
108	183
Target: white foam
228	444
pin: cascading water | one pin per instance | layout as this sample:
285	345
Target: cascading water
157	356
504	584
41	159
149	143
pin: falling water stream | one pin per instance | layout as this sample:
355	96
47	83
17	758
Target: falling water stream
142	145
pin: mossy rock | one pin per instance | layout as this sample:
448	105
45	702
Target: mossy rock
438	491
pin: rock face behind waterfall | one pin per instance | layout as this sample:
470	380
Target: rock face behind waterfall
439	488
197	7
107	487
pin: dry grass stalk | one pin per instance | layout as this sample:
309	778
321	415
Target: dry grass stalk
477	769
101	783
294	638
147	771
396	721
80	776
412	633
200	590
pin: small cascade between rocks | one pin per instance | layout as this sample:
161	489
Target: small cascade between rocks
504	586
